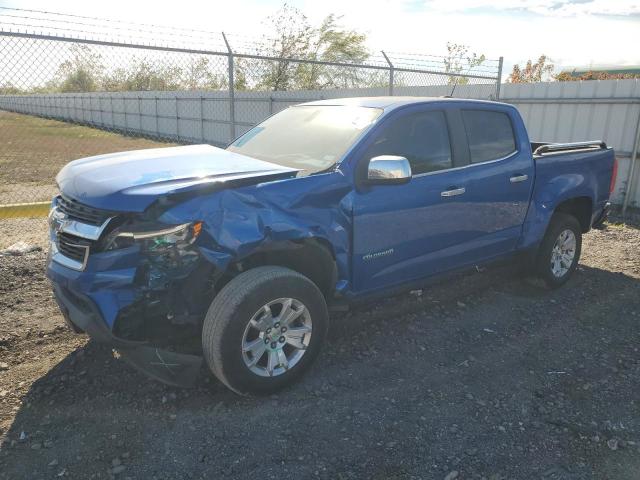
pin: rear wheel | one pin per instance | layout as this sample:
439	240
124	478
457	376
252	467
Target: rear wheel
559	251
264	329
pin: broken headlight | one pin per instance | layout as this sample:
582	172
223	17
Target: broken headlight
154	240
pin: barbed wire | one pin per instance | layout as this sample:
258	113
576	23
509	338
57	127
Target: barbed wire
110	20
173	36
109	29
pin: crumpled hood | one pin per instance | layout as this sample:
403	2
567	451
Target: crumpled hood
131	181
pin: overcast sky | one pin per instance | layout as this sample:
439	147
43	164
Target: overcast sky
571	32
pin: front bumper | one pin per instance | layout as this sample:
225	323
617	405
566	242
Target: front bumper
83	316
91	301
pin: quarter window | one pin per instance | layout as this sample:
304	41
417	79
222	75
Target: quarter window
422	138
490	135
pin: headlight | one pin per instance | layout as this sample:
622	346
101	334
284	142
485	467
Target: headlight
155	241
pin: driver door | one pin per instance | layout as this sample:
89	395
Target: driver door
409	231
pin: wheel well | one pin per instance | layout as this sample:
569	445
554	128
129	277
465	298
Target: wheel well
579	207
311	257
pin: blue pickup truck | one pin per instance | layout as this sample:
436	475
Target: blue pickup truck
235	256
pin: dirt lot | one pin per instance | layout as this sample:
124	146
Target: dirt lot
487	375
33	150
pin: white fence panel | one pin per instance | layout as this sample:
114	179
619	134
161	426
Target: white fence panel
606	110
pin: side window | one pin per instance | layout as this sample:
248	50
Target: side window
490	135
422	138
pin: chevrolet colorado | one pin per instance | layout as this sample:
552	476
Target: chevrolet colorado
234	256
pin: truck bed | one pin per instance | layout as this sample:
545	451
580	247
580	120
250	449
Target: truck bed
581	166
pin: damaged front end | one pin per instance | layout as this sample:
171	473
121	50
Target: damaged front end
169	277
141	286
142	277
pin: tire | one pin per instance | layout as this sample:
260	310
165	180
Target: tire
243	309
558	273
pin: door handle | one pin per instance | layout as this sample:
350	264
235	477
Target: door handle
453	192
519	178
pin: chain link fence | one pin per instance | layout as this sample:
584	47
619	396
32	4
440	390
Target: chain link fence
64	97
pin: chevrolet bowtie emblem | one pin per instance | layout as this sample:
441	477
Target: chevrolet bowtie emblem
60	225
58	221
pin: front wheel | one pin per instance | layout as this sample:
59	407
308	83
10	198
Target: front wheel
559	251
264	329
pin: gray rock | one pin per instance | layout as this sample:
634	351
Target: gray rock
19	248
118	469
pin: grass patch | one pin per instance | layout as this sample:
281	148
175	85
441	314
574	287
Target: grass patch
33	150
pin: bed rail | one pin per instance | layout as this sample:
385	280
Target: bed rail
563	147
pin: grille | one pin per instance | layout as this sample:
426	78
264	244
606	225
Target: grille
77	211
73	247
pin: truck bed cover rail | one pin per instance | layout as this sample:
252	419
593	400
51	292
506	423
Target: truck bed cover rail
542	148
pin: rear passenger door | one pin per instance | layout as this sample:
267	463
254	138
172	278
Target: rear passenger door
499	179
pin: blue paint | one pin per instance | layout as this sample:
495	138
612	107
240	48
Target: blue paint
131	181
380	236
108	280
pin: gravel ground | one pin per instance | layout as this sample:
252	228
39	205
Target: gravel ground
30	230
484	376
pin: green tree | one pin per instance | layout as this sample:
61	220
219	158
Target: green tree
144	75
9	88
331	43
532	72
81	73
460	60
296	38
240	80
292	34
198	76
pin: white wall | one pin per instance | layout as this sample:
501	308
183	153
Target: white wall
589	110
556	112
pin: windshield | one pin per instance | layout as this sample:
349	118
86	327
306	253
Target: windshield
311	138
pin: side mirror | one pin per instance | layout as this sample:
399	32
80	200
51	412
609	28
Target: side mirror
388	170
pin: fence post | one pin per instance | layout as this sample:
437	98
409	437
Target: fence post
124	109
232	92
632	167
177	120
499	78
202	118
101	112
390	72
113	112
156	116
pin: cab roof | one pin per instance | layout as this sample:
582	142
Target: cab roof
390	103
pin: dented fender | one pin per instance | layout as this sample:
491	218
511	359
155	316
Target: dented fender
240	222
